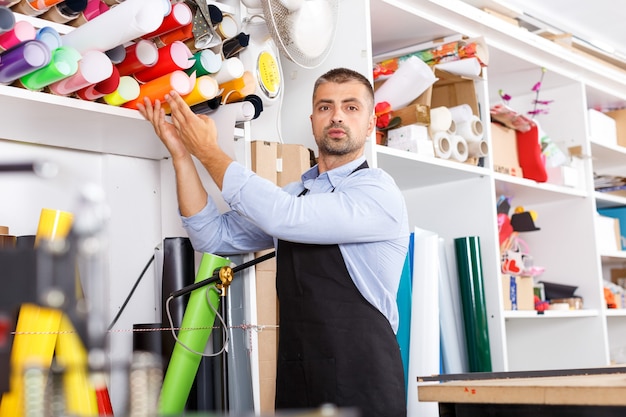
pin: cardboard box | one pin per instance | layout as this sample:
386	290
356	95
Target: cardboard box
278	162
620	125
518	292
413	114
504	150
602	128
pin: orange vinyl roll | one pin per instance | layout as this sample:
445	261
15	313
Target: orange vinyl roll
181	34
205	88
43	4
156	89
239	88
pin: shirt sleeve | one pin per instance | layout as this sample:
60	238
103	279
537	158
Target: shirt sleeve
366	207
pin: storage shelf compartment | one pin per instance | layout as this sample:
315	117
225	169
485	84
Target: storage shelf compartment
550	314
412	170
532	192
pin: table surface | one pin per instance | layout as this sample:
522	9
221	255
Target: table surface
599	389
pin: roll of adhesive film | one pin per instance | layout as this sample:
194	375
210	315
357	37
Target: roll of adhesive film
477	148
460	151
23	59
205	62
22	31
471	282
231	69
53	225
49	36
440	119
461	113
205	88
181	34
65	11
7	19
26	8
127	90
442	143
471	129
156	89
98	90
64	62
180	15
195	331
175	56
237	89
117	54
227	28
123	23
93	67
139	56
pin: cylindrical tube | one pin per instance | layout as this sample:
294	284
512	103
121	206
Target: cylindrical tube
50	37
139	56
459	149
205	62
127	90
159	87
53	225
477	148
93	67
101	89
442	143
7	19
64	62
440	119
195	331
471	129
179	16
22	31
23	59
175	56
231	68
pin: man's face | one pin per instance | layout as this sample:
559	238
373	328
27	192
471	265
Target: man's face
342	118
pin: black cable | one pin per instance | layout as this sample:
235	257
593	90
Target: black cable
132	291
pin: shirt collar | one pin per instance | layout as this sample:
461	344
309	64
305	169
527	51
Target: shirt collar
335	176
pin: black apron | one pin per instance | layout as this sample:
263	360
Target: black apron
334	346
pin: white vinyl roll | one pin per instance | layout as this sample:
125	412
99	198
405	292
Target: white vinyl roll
440	119
442	143
461	113
471	130
411	79
460	151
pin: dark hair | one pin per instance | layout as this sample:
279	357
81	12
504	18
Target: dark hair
344	75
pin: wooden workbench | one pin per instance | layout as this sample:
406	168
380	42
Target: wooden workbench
575	394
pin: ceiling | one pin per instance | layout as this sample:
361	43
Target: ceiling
598	23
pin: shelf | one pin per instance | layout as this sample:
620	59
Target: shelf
530	314
532	192
615	312
604	200
412	170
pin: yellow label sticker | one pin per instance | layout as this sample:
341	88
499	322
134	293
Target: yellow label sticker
268	74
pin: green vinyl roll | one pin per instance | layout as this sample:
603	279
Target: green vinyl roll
196	325
469	264
64	63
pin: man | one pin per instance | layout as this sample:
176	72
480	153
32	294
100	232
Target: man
341	237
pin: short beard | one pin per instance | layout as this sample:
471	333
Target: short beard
328	146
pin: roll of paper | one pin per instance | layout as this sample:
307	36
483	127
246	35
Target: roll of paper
461	113
93	67
199	316
469	265
477	148
440	119
471	129
442	143
123	23
412	78
460	151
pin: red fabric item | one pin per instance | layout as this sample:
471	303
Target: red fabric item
529	155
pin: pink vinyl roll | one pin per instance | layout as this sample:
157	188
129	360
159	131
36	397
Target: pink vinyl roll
93	67
101	89
175	56
22	31
139	56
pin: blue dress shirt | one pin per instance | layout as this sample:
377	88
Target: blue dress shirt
363	212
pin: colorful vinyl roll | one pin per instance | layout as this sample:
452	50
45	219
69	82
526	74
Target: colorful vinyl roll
23	59
469	264
49	36
195	331
7	19
237	89
139	56
228	27
64	63
204	89
22	31
471	129
231	68
98	90
180	15
123	23
65	11
181	34
175	56
460	151
93	67
205	62
156	89
53	225
442	143
127	90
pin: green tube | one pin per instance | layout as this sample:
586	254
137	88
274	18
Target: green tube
469	264
183	364
64	63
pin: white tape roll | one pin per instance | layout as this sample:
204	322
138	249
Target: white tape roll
461	113
442	143
460	151
478	148
471	130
